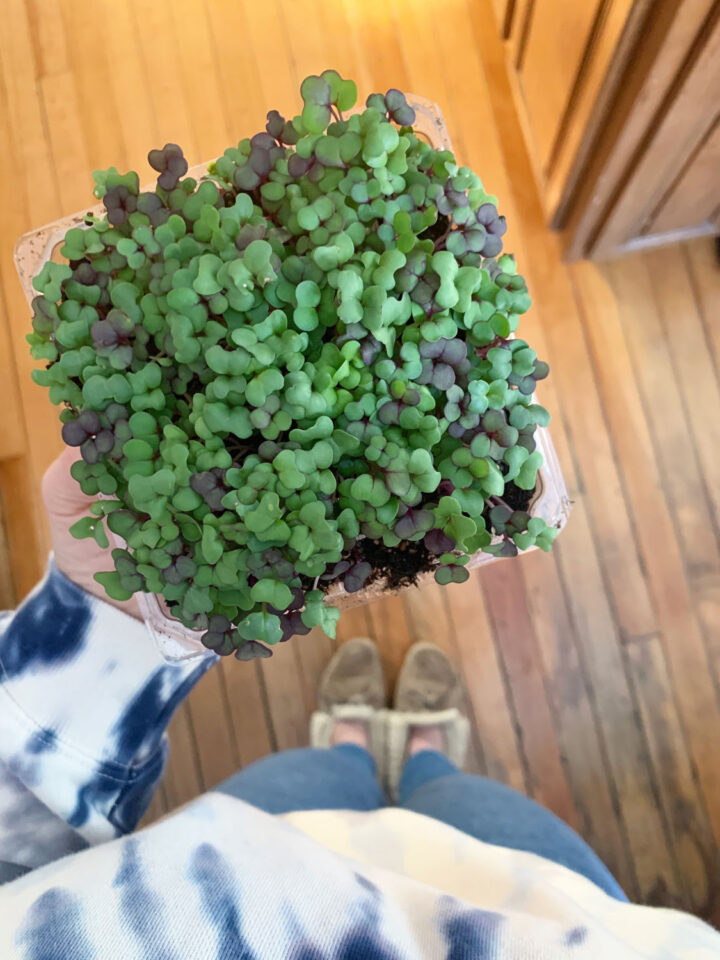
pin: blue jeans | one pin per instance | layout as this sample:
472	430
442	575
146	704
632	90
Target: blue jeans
343	778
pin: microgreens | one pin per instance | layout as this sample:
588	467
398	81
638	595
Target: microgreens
307	350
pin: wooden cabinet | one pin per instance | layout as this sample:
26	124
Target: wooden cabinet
620	106
693	198
553	48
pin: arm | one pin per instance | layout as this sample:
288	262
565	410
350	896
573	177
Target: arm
85	699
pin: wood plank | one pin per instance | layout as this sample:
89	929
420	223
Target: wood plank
308	47
183	778
692	839
692	361
288	713
158	808
163	75
426	615
633	781
212	724
26	163
569	694
90	59
342	44
245	114
12	440
207	106
67	141
355	622
487	689
507	605
703	261
390	629
28	553
268	37
684	647
12	436
379	48
48	36
36	176
138	126
312	654
667	414
8	595
595	457
247	700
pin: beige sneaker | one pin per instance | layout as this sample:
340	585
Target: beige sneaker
352	687
429	693
354	675
428	681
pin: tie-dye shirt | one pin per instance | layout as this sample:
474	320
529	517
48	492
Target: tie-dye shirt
84	704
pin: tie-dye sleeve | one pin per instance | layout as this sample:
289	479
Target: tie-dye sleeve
85	699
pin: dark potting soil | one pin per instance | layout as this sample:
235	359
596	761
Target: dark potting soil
437	229
515	497
400	566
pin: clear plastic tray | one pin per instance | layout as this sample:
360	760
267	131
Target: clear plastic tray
177	642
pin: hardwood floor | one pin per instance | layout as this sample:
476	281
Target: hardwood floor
593	673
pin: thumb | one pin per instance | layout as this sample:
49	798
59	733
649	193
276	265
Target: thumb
60	491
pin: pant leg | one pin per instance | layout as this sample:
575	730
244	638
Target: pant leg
497	814
341	778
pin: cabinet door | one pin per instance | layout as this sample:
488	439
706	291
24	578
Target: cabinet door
565	60
671	187
557	36
645	167
693	201
503	11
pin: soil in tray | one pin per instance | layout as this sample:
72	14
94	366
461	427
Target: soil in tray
402	565
516	498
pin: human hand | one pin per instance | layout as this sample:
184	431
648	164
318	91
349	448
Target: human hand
79	560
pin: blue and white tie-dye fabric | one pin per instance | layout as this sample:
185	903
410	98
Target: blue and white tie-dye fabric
84	704
85	699
223	881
